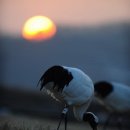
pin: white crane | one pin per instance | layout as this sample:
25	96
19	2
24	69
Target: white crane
114	96
72	87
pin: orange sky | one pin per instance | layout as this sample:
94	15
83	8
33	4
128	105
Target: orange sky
13	13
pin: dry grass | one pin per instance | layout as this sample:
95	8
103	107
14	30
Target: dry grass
26	123
23	123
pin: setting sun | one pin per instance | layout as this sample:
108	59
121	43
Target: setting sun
38	28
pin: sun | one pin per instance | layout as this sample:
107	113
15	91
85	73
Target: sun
38	28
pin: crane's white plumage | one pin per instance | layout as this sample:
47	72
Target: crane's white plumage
80	90
116	97
70	86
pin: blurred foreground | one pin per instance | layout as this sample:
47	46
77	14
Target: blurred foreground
26	123
28	110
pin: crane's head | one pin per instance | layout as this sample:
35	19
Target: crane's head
56	76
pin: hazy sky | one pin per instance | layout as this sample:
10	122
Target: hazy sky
13	13
110	55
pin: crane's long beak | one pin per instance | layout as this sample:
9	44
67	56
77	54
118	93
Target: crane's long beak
41	83
41	88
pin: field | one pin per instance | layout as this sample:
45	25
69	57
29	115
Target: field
40	110
23	110
28	123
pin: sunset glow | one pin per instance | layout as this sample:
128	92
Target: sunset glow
38	28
